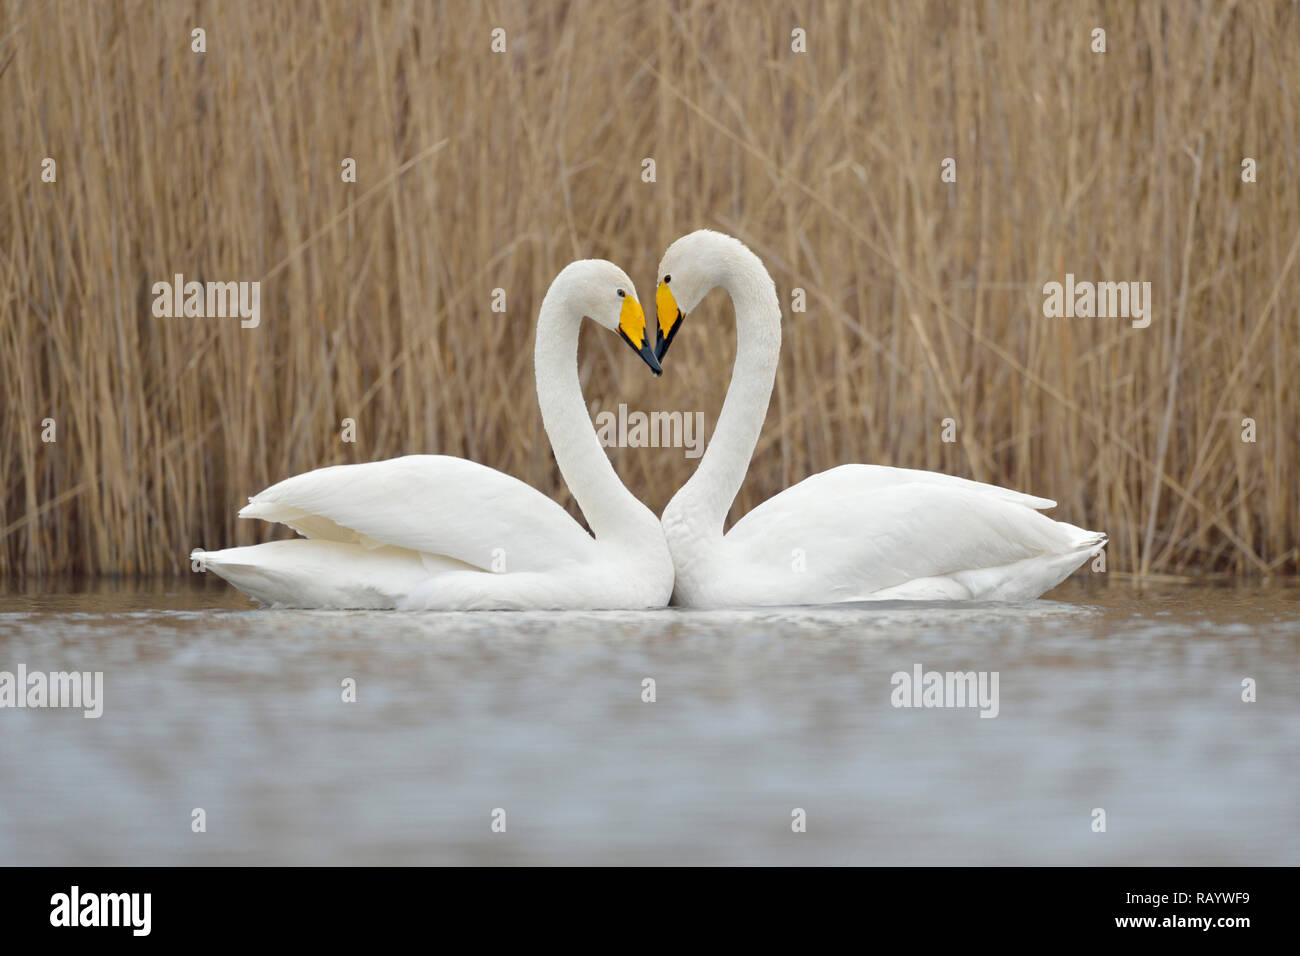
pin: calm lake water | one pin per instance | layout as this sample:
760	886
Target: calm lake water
1107	698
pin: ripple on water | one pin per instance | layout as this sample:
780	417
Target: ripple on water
1109	698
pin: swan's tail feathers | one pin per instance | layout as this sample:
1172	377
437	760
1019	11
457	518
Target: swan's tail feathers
1098	541
1081	539
320	574
1034	576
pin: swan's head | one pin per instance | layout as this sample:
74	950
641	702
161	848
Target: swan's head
602	291
692	267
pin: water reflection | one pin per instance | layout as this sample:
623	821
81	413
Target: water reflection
1127	701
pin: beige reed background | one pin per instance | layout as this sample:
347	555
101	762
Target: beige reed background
478	170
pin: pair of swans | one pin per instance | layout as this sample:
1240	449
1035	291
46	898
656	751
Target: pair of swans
436	532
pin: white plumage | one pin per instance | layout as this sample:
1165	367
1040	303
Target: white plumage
436	532
853	533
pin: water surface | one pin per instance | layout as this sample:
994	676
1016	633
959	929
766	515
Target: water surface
1129	701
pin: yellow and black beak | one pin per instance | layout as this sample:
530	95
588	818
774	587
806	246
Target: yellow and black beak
670	319
631	328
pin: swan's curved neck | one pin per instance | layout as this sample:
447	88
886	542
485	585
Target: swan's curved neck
706	498
610	509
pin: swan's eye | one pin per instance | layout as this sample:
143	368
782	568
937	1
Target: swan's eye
621	293
667	279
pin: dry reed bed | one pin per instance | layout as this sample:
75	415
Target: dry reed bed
479	170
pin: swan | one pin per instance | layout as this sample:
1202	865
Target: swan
441	533
855	532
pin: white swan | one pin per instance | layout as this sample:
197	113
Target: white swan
854	533
435	532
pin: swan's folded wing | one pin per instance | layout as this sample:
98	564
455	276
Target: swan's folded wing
433	504
864	528
846	481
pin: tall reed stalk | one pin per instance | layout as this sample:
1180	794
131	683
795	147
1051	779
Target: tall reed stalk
479	170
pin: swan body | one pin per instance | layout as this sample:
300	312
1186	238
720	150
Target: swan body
442	533
855	532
